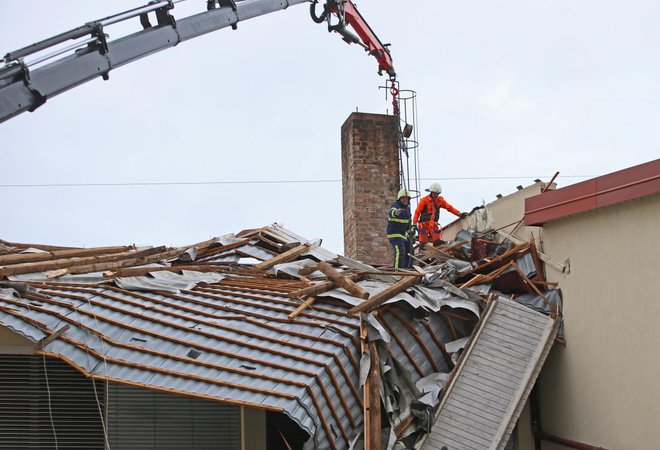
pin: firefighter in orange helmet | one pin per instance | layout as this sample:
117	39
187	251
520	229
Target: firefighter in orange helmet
428	212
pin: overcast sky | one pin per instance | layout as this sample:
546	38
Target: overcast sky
506	88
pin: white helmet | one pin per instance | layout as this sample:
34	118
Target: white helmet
403	193
435	187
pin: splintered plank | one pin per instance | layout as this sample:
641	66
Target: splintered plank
139	258
342	281
306	304
371	393
284	257
48	248
317	288
18	258
385	295
509	254
542	256
62	263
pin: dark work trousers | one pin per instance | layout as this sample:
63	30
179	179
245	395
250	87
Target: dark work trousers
402	249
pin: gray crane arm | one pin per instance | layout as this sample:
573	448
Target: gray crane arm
26	85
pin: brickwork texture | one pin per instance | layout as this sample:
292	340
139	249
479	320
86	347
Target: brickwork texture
370	181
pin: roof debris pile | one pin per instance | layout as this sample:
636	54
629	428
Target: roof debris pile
270	320
496	262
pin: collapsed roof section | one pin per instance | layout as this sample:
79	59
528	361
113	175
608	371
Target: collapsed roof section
270	320
495	375
498	262
222	320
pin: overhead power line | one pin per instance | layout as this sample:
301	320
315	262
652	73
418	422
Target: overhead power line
221	182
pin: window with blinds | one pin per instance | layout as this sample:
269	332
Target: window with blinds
50	405
46	404
141	419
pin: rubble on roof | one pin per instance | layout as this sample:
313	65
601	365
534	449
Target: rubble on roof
268	319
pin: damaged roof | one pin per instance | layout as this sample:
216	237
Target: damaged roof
199	321
267	319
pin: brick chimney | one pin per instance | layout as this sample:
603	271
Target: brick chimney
370	181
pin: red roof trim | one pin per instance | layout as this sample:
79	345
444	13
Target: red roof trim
616	187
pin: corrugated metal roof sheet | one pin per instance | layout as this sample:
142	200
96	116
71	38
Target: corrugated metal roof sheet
219	320
226	337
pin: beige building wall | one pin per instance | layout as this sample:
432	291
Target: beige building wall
14	343
603	388
253	429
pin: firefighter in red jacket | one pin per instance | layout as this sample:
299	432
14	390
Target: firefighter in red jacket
428	212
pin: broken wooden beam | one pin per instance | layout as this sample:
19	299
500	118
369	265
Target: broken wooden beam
540	268
478	277
47	248
343	281
205	244
286	443
304	271
135	259
313	289
284	257
434	252
373	441
306	304
57	273
383	296
318	288
542	256
447	248
481	278
245	254
538	292
57	264
419	260
371	393
403	425
263	238
552	180
48	339
419	270
516	223
18	258
511	253
208	250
